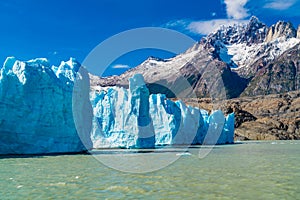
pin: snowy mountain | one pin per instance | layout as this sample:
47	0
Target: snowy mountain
227	63
181	75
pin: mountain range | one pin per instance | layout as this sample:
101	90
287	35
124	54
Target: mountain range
240	60
251	69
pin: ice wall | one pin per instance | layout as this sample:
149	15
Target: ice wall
131	118
44	110
36	107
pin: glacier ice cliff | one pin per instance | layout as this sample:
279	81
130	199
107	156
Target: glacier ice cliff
48	109
36	108
131	118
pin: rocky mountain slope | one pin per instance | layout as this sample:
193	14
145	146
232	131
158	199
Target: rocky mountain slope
241	60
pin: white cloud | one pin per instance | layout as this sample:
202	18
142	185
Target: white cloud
206	27
236	9
280	4
120	66
177	23
236	13
180	25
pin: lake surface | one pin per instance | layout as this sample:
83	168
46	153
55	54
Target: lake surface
251	170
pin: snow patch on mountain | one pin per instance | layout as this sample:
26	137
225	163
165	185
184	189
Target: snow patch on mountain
154	69
243	55
241	45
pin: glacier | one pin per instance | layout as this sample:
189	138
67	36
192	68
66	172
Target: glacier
49	109
132	118
36	108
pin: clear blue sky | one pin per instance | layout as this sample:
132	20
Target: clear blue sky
59	29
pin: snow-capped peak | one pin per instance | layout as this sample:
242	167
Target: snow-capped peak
251	33
242	44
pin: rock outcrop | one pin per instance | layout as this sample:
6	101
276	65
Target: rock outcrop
281	29
266	117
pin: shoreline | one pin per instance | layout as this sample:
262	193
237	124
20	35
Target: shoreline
159	149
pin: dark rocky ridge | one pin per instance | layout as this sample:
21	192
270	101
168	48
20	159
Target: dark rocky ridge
281	29
278	76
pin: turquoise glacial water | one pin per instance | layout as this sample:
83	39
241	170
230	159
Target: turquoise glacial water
251	170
